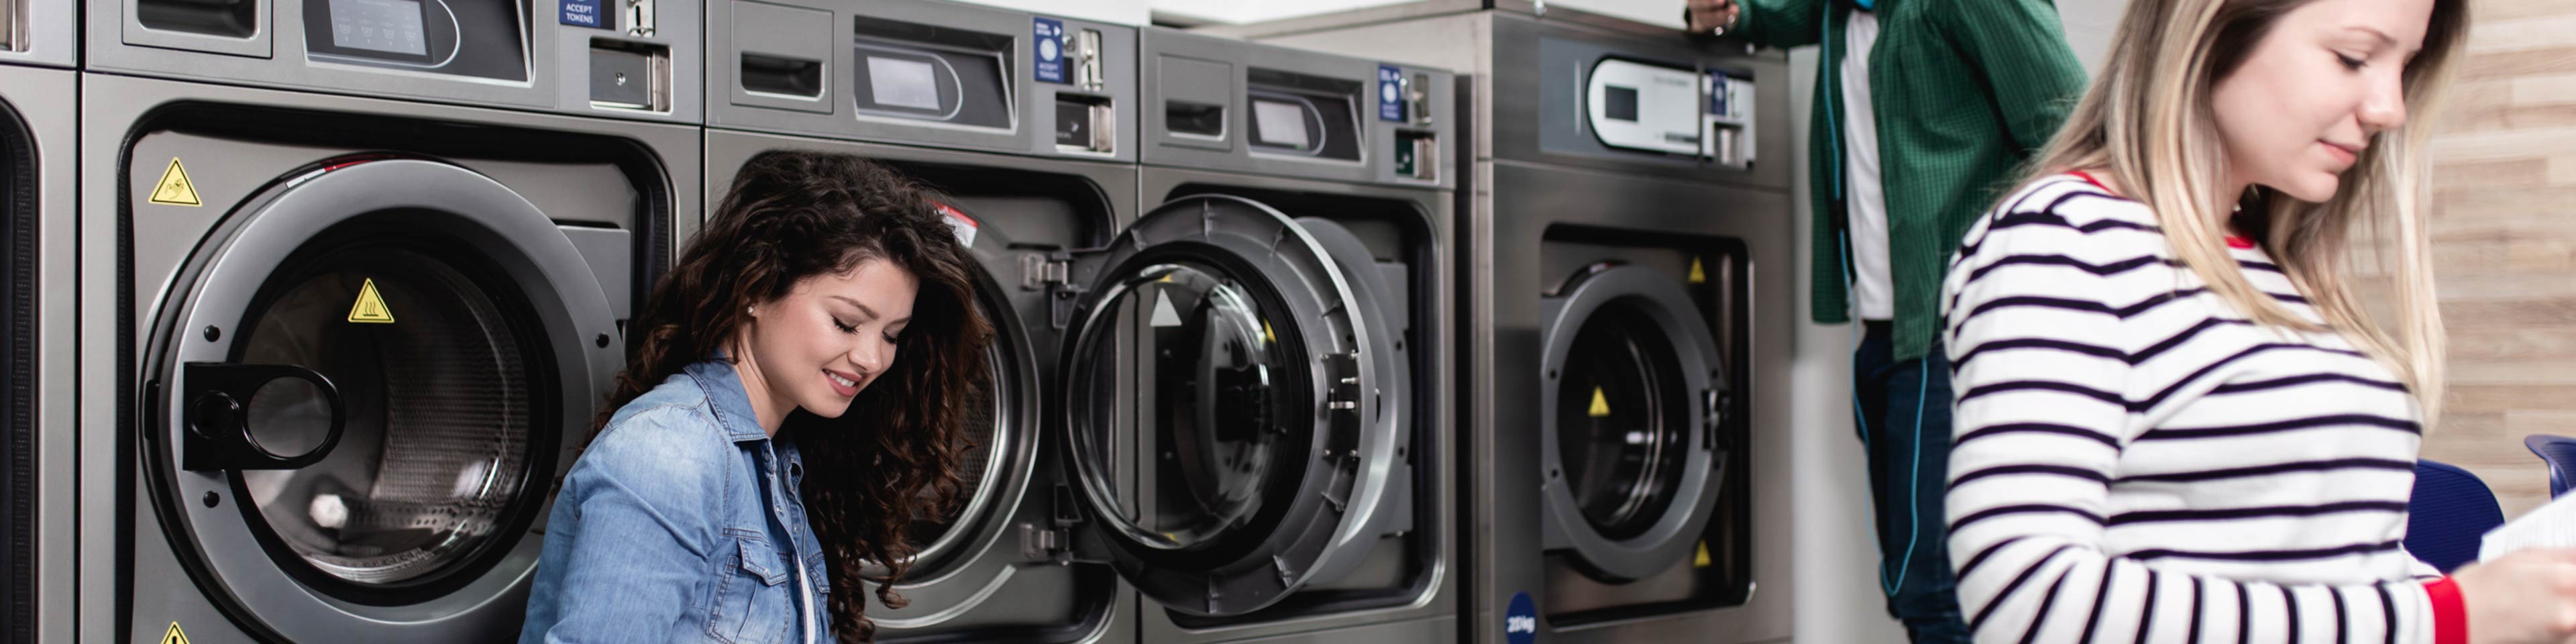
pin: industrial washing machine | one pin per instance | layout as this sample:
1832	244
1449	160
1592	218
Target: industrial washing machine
1626	263
1023	124
342	347
38	108
1257	381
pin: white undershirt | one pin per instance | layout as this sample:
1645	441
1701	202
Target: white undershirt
1873	293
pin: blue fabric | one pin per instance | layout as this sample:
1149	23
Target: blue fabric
1902	409
2450	511
676	525
2559	452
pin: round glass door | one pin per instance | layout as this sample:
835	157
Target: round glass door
1633	393
360	389
1216	420
1207	383
438	407
1621	419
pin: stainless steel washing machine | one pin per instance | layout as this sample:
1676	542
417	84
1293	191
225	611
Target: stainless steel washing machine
38	108
341	347
1258	389
1022	123
1626	263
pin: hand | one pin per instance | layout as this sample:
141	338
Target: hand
1717	15
2528	596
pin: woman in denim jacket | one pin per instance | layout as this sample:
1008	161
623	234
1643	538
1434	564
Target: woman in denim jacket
814	347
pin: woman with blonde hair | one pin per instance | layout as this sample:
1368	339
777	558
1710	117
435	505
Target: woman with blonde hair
2175	420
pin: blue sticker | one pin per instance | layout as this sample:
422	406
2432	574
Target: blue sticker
1520	622
1049	40
1720	93
1390	93
582	13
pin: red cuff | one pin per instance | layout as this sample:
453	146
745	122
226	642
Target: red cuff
2450	612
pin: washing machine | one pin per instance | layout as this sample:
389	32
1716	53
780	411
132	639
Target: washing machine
1021	123
1258	390
354	281
38	108
1627	267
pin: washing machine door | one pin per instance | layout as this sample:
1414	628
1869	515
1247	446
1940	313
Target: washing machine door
1632	400
1225	407
359	392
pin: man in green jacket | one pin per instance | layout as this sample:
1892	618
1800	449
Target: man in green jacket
1923	111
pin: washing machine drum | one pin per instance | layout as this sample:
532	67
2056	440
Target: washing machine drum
1633	397
18	465
361	391
436	406
1237	404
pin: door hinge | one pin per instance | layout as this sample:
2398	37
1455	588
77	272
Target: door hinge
1053	273
1045	543
1052	539
1716	403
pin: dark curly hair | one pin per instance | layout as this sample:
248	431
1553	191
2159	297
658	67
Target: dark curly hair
894	456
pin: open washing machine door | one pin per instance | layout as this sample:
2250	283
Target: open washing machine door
1632	400
1234	405
358	393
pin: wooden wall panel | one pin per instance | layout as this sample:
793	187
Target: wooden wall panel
2504	229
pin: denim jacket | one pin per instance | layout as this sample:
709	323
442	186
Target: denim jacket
681	523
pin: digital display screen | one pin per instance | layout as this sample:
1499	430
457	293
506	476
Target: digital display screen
1278	123
1620	103
898	82
381	25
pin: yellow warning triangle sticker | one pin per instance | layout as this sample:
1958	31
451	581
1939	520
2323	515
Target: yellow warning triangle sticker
1600	405
370	308
174	188
174	635
1701	560
1697	275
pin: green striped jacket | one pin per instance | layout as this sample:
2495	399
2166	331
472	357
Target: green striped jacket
1963	92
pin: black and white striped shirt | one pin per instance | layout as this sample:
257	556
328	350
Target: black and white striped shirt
2134	461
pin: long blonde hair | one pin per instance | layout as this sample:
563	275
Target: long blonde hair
2147	120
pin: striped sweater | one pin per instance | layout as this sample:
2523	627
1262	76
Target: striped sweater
2134	461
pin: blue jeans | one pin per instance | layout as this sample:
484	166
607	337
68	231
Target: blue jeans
1902	410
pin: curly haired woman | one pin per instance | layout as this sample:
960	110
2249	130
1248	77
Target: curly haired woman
795	398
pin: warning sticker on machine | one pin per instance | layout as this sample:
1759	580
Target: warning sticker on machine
370	307
174	188
959	223
1163	314
174	635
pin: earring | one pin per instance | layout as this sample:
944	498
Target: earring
751	311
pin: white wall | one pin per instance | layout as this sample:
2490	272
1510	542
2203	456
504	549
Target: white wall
2089	24
1838	597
